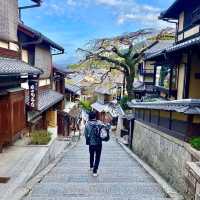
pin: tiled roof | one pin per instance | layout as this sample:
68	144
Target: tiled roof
43	37
183	45
174	10
158	49
176	47
14	66
46	99
73	88
102	90
113	109
99	107
140	87
186	106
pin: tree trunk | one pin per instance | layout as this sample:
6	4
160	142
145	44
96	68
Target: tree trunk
129	86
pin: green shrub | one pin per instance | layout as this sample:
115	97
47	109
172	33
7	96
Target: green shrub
86	105
41	137
195	143
123	103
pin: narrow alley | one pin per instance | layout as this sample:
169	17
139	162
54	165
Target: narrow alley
120	178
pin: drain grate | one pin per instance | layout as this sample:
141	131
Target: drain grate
4	179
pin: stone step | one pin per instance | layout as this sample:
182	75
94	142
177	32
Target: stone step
102	178
108	197
102	163
120	178
129	171
97	189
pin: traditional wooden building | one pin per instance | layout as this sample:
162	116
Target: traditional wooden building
105	107
59	80
147	82
13	72
37	50
180	63
72	93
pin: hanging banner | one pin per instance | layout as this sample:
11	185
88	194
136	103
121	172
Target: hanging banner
33	94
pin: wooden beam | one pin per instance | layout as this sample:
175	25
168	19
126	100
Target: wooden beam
187	76
170	120
170	81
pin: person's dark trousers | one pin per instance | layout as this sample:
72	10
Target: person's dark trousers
95	155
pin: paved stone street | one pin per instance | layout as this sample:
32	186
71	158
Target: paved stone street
120	178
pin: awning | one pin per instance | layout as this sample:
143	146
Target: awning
47	99
11	67
186	106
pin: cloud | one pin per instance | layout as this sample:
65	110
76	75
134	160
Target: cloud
123	10
71	2
109	2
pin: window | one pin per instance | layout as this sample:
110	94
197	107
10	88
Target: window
163	76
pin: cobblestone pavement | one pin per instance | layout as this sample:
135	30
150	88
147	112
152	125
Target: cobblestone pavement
120	178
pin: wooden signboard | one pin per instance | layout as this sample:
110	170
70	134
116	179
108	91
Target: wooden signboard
33	94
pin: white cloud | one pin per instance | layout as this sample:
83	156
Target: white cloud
72	2
109	2
123	10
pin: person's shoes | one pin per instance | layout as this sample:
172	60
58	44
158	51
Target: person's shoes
91	169
95	174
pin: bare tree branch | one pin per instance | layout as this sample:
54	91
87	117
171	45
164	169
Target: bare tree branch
123	52
97	56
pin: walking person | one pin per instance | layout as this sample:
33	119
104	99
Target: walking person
94	140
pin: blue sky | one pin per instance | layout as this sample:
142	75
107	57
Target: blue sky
71	23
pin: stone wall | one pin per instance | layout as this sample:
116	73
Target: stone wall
166	154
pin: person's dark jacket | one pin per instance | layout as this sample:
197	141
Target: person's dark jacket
92	138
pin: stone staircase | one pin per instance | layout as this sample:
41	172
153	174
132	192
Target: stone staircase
120	178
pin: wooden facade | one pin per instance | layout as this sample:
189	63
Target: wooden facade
37	51
183	64
12	115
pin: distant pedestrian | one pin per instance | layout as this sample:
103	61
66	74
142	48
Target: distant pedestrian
95	134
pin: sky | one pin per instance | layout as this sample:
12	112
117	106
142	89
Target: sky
72	23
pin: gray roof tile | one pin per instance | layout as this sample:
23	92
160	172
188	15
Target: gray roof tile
73	88
46	99
102	90
183	45
14	66
186	106
158	48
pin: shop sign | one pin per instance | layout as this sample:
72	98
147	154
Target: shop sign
33	94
